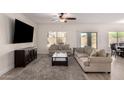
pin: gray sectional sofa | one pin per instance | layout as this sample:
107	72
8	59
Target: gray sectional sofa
92	60
60	48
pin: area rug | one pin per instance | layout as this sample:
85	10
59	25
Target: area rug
42	70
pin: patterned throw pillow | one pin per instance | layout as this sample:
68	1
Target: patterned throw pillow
66	47
53	47
93	53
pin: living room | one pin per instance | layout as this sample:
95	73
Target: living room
75	35
61	46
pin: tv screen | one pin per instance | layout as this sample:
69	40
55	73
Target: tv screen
23	32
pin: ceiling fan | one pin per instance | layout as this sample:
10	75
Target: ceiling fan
64	17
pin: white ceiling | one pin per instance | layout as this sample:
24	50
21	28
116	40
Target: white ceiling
81	17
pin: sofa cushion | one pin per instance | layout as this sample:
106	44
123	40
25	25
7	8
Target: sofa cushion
79	55
80	50
63	47
60	47
66	47
88	50
98	53
85	61
53	47
101	53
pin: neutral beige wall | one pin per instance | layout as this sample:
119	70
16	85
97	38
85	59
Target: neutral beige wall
73	33
6	46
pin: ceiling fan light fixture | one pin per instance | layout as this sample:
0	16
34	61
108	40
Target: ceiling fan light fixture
64	17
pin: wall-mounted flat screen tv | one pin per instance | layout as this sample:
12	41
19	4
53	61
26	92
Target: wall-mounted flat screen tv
23	32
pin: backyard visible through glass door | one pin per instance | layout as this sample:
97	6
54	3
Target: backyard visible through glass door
116	37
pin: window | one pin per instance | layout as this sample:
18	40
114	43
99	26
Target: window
89	39
56	38
116	37
83	39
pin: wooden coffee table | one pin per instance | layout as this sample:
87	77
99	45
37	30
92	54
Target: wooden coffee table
60	59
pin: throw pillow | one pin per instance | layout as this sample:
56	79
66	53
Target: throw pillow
52	47
101	53
87	49
60	47
93	53
66	47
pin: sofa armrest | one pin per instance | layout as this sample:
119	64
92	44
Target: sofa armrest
100	59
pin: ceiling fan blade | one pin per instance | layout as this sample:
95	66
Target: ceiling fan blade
61	15
70	18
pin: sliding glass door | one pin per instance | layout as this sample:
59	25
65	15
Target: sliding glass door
116	37
120	37
89	39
